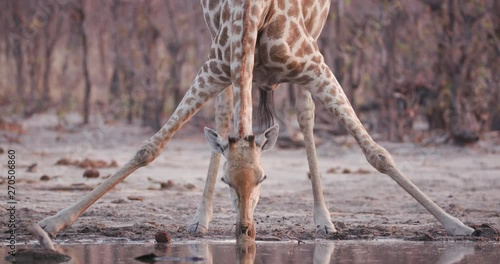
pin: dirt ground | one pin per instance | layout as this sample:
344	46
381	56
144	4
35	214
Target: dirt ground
364	204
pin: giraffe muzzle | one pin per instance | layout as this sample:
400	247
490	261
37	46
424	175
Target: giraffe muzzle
245	232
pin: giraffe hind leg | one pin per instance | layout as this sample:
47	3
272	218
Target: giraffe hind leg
201	220
305	116
205	86
327	90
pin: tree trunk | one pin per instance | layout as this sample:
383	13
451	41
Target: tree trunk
87	90
50	41
18	55
147	35
114	86
389	102
66	92
128	80
34	69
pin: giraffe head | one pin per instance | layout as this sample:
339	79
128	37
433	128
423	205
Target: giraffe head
243	173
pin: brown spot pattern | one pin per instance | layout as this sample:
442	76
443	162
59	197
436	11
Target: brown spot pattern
279	53
223	36
293	34
236	29
275	29
226	13
293	11
281	4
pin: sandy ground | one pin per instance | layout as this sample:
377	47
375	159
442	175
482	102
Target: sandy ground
364	204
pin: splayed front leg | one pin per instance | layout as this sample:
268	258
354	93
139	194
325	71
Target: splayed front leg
205	87
204	213
305	115
42	236
223	109
328	91
382	160
64	218
52	224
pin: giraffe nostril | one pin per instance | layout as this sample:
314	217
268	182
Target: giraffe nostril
246	230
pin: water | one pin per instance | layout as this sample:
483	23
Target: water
287	252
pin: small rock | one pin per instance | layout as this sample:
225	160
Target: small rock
190	186
1	151
32	167
135	198
44	178
455	207
166	185
331	170
88	163
487	231
113	164
91	173
362	171
37	255
340	225
64	161
162	237
346	171
118	201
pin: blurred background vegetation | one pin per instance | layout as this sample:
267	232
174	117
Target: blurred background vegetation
411	68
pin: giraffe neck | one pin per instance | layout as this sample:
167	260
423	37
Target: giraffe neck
245	17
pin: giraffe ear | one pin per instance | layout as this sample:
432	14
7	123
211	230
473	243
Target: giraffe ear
216	143
268	139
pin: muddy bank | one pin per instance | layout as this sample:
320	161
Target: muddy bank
364	204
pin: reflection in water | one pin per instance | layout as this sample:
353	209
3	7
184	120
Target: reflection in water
245	254
323	253
455	254
320	252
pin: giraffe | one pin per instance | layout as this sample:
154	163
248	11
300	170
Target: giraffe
261	43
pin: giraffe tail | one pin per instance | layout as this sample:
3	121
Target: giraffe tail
266	108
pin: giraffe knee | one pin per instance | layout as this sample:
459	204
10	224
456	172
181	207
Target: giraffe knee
146	154
380	159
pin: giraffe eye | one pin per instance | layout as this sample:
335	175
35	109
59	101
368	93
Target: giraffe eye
224	181
262	179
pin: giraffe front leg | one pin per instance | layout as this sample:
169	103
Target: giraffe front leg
382	160
64	218
305	115
328	91
201	220
205	86
203	216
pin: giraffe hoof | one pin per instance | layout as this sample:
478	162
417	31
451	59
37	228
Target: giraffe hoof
41	235
49	226
459	229
325	229
197	228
